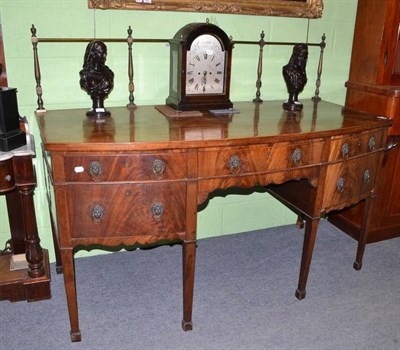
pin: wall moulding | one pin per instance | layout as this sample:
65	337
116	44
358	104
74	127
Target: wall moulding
284	8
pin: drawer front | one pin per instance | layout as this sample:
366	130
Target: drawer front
355	145
106	210
7	180
132	167
258	159
347	181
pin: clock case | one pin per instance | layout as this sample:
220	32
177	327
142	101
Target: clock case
179	46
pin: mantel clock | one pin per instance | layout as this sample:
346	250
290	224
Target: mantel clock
200	68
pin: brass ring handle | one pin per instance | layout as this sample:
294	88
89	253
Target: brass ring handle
340	184
345	150
157	211
158	168
371	143
296	156
367	176
95	169
234	164
98	213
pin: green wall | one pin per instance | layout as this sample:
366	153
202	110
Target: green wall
60	64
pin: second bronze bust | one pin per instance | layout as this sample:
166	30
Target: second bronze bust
294	74
96	78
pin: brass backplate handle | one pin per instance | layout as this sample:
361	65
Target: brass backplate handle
95	169
98	213
157	211
340	184
158	168
234	164
296	156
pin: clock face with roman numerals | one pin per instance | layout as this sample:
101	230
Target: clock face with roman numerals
205	67
200	68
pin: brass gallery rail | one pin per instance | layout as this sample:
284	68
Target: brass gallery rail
130	40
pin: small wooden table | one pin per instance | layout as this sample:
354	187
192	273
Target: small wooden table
17	183
139	177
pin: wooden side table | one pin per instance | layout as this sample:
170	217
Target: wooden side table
31	281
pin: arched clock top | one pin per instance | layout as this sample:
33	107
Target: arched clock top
200	68
191	31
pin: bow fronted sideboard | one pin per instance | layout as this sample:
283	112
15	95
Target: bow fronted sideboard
140	177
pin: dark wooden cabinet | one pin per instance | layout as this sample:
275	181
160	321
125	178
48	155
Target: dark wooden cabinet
374	57
374	87
17	183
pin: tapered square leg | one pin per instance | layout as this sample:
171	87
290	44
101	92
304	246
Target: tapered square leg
67	257
310	234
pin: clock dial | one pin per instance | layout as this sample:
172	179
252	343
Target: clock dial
205	66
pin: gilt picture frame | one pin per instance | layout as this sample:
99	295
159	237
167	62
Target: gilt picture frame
283	8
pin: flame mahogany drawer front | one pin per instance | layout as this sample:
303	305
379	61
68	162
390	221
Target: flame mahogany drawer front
121	210
344	147
133	167
258	159
350	181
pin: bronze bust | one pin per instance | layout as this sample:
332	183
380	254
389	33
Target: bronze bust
96	78
294	74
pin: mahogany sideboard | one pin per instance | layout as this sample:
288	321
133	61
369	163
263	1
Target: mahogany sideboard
139	177
17	183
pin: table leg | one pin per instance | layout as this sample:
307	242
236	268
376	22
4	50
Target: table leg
362	240
67	257
34	252
18	230
189	262
310	234
59	267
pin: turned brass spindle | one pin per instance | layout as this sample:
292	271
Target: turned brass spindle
129	40
37	71
256	119
261	43
319	71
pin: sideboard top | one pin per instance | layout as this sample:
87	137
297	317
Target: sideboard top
145	128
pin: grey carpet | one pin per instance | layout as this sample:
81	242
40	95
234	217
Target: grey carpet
244	298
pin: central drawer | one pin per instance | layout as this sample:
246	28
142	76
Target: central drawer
215	162
122	210
125	167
